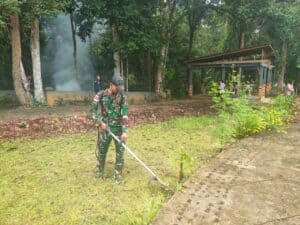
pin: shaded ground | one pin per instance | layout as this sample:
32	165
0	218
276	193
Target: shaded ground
34	122
255	181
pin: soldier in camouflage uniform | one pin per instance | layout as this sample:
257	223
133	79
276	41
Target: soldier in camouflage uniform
111	110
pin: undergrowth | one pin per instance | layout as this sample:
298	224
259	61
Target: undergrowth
243	117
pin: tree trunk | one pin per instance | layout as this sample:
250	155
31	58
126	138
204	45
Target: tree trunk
21	84
149	71
73	29
117	64
127	74
281	74
242	45
191	42
160	72
122	67
142	65
36	61
202	83
166	10
116	56
189	72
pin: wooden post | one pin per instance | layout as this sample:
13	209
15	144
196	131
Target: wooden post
223	73
264	54
190	85
260	83
269	81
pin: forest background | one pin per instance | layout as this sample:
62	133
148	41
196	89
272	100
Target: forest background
62	45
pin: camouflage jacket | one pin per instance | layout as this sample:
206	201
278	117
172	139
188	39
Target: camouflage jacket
111	109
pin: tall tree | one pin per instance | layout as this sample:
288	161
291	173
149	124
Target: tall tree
10	11
244	17
131	26
32	10
108	13
166	13
71	7
196	11
36	61
282	19
21	83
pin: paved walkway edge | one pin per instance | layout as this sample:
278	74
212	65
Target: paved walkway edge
255	181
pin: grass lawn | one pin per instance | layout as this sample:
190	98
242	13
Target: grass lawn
52	180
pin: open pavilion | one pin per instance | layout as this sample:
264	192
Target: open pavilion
257	58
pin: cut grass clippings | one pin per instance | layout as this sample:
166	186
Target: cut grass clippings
52	180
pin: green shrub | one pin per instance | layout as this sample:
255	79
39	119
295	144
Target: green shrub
247	123
285	103
246	118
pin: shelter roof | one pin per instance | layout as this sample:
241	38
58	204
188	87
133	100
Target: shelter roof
232	54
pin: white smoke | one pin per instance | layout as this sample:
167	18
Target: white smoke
66	84
61	67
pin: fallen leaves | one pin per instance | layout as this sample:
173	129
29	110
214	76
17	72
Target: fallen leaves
55	125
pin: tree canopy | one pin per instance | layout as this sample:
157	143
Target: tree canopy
148	41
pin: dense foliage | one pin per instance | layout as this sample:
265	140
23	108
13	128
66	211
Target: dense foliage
154	38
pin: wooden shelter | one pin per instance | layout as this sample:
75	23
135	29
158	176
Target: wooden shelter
258	57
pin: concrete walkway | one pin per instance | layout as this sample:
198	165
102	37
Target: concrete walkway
256	181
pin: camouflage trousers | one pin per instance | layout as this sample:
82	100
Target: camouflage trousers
103	146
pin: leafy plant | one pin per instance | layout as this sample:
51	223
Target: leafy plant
245	117
186	160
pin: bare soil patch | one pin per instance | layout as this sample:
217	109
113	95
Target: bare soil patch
46	121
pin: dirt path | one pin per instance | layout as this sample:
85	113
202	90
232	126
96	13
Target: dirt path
255	181
35	122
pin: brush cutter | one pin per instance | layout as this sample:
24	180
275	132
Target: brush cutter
136	158
129	151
